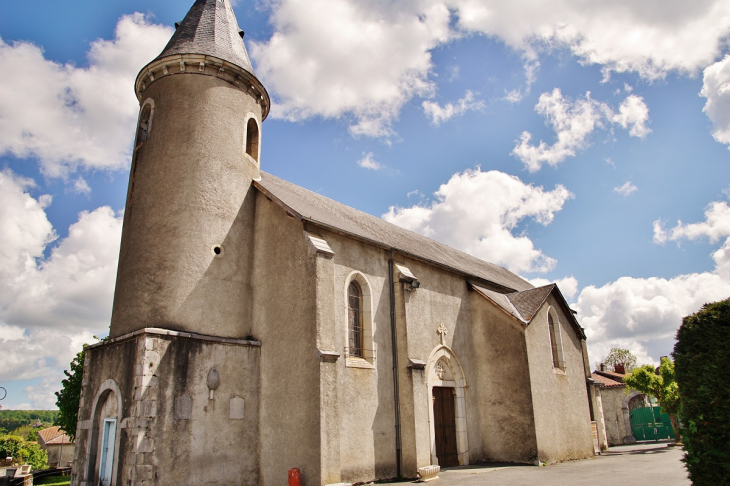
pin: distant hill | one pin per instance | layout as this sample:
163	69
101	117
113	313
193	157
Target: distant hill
13	419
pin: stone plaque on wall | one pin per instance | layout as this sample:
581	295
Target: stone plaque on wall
183	407
236	412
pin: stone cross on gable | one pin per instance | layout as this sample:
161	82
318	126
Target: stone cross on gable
442	330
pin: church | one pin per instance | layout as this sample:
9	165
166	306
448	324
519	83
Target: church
259	327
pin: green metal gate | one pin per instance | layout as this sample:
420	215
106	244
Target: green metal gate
648	423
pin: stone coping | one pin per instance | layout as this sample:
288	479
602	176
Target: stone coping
179	334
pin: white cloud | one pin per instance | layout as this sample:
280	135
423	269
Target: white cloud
81	186
368	162
50	306
477	212
715	227
640	313
650	38
70	117
331	58
573	122
633	114
716	89
364	60
439	114
626	189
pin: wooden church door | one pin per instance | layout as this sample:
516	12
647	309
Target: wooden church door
444	418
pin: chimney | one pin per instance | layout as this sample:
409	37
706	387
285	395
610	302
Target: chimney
603	367
619	368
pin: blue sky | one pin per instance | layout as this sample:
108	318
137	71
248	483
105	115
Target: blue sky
565	142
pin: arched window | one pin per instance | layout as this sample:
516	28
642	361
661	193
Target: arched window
145	123
252	139
354	319
555	341
360	349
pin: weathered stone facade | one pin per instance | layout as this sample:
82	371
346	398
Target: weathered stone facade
231	356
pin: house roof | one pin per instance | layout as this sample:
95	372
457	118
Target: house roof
324	212
210	28
608	379
528	302
53	435
524	305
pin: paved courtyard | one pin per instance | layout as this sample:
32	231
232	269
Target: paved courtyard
640	464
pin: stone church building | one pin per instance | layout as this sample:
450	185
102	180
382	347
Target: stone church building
258	326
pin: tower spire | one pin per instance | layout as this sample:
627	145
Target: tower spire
210	28
208	41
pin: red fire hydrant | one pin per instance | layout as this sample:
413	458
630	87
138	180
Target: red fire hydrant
295	477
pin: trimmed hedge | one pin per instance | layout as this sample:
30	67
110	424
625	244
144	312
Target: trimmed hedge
702	366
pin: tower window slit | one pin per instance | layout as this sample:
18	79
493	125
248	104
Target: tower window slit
252	139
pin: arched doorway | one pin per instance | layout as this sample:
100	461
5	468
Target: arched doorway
447	410
102	449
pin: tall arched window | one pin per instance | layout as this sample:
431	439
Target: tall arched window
354	315
555	341
145	121
252	139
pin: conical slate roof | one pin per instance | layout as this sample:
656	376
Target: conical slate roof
210	28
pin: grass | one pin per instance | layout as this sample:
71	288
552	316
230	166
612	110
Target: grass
55	480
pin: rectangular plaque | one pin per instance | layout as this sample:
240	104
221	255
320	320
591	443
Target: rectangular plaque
183	407
236	412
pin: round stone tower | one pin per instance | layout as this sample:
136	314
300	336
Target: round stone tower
185	256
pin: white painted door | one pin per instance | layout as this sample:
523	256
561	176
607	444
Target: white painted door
107	451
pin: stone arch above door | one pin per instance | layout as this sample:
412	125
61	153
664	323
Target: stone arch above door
444	370
108	397
629	437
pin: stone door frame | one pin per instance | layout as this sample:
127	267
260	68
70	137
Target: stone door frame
451	377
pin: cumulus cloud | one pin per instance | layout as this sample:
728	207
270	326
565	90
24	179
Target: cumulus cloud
715	226
477	212
364	60
51	305
439	114
81	186
331	58
643	314
368	162
71	117
716	88
573	123
626	189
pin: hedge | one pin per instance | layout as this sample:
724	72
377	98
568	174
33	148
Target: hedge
702	366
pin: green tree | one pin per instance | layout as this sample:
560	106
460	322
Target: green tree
70	395
702	355
618	356
23	452
661	384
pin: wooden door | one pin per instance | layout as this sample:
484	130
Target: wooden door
444	421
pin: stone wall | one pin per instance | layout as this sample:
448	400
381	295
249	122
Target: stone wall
560	397
155	384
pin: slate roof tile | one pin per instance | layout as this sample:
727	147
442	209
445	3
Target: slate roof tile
210	28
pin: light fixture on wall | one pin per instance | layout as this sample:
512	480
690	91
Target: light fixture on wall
213	381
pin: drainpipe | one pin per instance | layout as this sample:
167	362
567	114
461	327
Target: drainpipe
396	393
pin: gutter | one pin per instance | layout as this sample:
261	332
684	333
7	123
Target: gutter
396	389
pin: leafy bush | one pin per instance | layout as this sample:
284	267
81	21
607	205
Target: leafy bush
23	452
702	357
70	395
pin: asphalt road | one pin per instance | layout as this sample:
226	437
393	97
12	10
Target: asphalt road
640	465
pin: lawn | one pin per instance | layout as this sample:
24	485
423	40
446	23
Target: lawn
54	480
